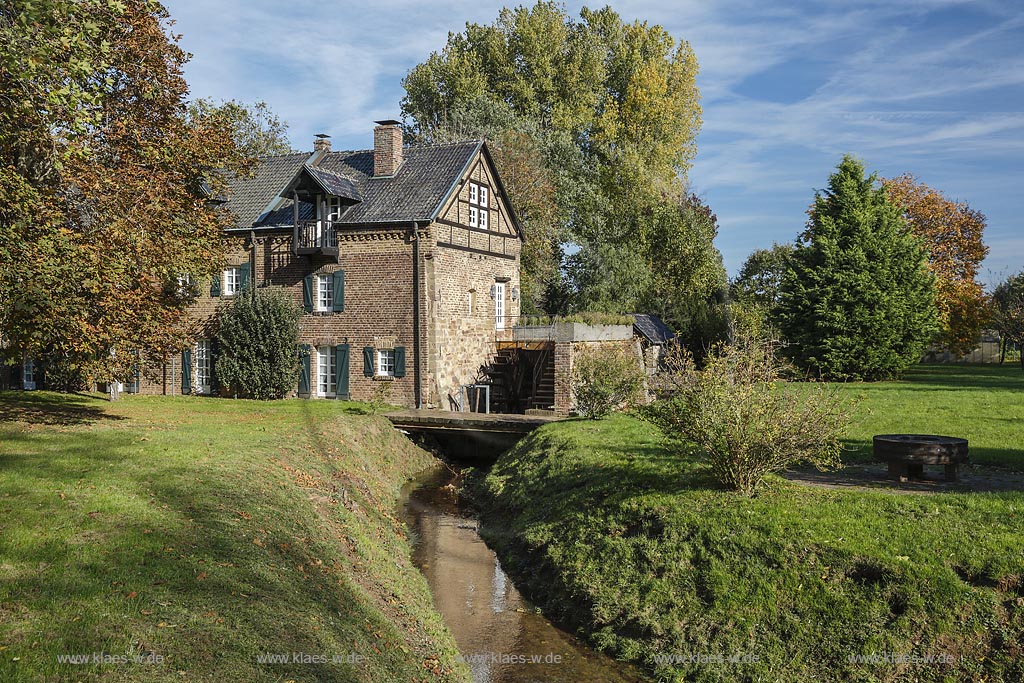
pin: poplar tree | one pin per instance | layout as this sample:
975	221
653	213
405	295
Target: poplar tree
858	300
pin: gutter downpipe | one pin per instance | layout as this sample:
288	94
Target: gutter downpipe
417	379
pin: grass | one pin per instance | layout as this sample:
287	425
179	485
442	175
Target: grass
193	536
636	546
981	403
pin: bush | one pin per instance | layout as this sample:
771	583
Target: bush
258	334
605	378
746	420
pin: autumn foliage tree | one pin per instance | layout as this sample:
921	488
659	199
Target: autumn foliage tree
953	233
106	180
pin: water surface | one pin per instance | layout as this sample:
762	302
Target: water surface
502	637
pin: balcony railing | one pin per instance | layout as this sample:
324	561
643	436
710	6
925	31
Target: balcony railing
315	238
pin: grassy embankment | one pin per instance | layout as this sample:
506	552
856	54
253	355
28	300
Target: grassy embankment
638	548
200	535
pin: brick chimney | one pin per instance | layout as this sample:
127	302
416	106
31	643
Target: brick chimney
322	143
387	147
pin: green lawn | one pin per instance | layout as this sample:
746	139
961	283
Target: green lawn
194	536
634	545
981	403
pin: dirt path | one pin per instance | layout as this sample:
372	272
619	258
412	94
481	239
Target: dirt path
874	477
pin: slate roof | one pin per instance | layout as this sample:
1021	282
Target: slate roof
652	328
415	193
251	197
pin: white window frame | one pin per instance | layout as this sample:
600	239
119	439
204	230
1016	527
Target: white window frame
499	306
232	280
479	206
385	362
204	366
28	374
324	293
326	372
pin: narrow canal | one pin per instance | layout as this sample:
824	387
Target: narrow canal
501	636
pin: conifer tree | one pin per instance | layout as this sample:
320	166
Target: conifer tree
858	301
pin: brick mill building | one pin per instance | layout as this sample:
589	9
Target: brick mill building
405	259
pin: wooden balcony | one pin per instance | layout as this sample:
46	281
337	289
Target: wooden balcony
316	238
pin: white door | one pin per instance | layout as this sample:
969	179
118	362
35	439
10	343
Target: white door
499	305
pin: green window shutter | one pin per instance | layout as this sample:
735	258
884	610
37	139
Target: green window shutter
307	293
304	379
243	276
399	361
215	284
341	352
368	361
339	291
186	371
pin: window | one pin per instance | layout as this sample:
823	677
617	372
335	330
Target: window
324	293
232	281
479	216
186	286
28	374
472	301
203	367
499	305
385	362
326	371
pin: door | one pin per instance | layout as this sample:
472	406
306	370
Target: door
499	305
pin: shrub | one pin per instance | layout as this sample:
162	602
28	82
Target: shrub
258	334
605	378
745	419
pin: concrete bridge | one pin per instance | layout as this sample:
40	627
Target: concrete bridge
469	435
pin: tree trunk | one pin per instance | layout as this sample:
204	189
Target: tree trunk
1002	349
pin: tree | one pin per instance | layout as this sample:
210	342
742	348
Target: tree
613	109
1008	313
106	182
858	301
953	232
257	335
760	277
256	130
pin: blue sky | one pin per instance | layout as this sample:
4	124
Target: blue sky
930	87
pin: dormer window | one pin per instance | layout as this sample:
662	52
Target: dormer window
479	213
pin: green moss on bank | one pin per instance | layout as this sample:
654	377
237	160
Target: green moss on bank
195	537
640	550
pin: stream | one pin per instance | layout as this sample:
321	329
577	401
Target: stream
501	636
